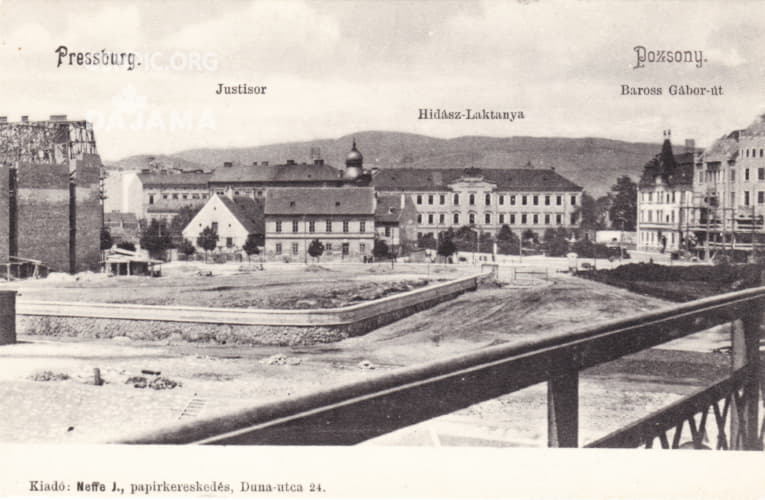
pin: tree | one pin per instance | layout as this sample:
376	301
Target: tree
316	249
507	241
427	241
446	247
623	211
556	242
207	239
186	247
106	238
156	238
380	250
180	221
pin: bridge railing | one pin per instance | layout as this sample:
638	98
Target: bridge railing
355	412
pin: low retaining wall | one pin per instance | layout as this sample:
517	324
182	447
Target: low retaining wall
221	325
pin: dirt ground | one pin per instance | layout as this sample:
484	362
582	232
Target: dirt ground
217	379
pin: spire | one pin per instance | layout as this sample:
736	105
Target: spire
353	148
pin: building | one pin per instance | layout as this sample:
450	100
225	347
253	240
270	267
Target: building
50	196
123	227
342	218
665	199
396	223
232	218
529	198
164	194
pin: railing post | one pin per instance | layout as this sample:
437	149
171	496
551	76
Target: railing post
563	407
745	353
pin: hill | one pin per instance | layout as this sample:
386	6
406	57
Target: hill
593	163
154	162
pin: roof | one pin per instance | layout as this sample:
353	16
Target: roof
248	211
389	208
723	149
423	179
673	169
277	173
179	179
320	201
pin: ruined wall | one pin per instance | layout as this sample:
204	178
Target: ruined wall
42	207
4	214
87	213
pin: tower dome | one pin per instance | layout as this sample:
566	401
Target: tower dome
354	163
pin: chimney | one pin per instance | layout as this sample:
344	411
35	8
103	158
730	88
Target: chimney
227	164
58	118
290	162
690	145
24	118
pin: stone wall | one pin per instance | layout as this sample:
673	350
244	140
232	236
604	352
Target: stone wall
87	213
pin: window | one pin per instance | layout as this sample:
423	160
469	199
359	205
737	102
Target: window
151	199
524	200
294	249
278	249
512	199
746	174
523	219
328	226
430	199
215	226
733	175
387	231
419	199
278	226
573	201
175	196
501	218
456	219
164	196
328	247
573	219
547	218
547	199
456	199
363	227
471	199
559	200
488	199
346	248
442	218
512	218
732	198
502	199
558	219
345	226
419	218
536	219
761	174
362	247
311	227
442	199
746	198
294	226
471	218
487	218
536	199
430	218
229	242
760	197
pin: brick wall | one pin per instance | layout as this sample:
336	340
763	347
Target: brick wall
87	213
43	214
4	214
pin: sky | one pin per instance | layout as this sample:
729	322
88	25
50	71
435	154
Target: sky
332	68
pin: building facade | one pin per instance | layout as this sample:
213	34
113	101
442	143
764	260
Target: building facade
524	199
396	223
232	218
341	218
163	195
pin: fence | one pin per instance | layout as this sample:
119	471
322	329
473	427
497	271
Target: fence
356	412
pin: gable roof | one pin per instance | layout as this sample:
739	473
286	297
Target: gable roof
277	173
320	201
673	169
424	179
389	208
248	211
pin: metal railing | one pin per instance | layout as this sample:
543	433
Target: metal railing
359	411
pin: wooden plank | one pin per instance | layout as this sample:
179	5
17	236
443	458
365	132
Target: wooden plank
745	355
563	409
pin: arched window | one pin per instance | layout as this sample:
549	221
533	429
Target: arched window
471	218
456	218
487	218
471	199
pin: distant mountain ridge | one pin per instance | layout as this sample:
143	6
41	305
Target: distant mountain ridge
593	163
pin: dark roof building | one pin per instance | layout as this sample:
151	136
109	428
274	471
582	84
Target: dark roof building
320	201
248	211
286	174
672	169
421	179
181	180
